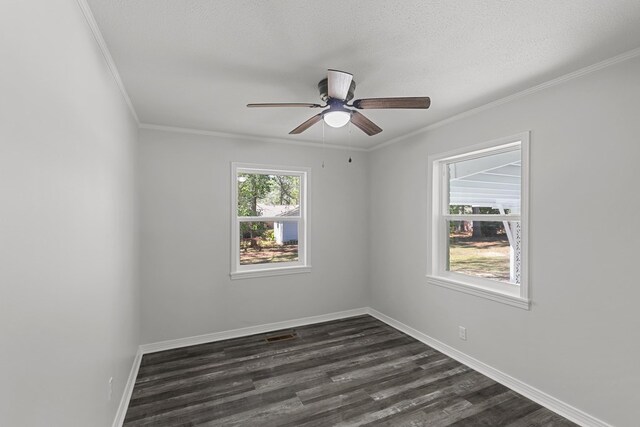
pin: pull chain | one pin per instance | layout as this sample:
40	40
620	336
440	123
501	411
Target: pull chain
324	148
349	141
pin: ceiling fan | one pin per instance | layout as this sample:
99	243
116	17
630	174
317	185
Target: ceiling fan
336	91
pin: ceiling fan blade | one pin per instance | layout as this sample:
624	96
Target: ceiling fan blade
338	83
407	102
366	125
306	125
285	104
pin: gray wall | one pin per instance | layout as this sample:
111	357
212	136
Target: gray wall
185	237
579	342
69	315
69	302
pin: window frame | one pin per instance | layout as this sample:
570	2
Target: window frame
238	271
438	200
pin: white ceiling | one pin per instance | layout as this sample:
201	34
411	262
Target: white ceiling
197	63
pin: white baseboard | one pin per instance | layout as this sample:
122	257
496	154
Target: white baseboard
128	390
251	330
218	336
550	402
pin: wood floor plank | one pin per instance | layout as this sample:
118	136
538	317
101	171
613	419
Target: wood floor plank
412	399
257	416
317	410
392	391
501	414
465	409
541	417
347	372
380	356
423	416
269	360
229	405
395	375
162	404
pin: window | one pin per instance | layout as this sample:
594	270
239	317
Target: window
478	217
269	220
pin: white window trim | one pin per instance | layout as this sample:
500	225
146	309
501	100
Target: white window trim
518	296
264	270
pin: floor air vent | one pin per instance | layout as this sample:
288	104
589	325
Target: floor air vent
281	337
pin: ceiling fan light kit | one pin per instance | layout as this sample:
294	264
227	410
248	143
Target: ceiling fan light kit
336	118
336	91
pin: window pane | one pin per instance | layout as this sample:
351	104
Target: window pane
486	184
268	242
487	249
268	195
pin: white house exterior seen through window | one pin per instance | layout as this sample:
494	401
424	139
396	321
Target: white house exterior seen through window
269	220
478	218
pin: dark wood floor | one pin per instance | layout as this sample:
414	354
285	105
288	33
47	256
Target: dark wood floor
356	371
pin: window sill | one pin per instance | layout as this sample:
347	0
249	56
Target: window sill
502	297
266	272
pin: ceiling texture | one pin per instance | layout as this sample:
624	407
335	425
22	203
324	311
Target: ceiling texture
196	63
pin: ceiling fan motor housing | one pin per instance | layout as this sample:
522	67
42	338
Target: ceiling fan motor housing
323	87
336	105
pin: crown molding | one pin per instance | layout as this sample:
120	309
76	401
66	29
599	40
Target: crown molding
91	22
97	35
203	132
553	82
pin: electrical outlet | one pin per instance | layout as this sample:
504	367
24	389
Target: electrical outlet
462	333
110	391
